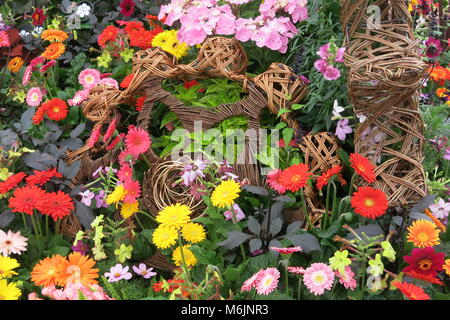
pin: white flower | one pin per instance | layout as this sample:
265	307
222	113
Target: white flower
37	31
337	109
83	10
361	117
24	33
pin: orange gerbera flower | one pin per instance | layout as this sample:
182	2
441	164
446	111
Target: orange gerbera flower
438	223
126	81
326	176
295	177
56	109
439	74
134	26
427	277
411	291
423	233
15	64
77	269
26	199
39	115
54	51
44	273
53	35
369	202
143	38
363	167
11	182
446	267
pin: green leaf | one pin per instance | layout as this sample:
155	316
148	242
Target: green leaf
288	133
297	106
282	111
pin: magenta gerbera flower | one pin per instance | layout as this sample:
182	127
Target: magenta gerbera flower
273	181
133	191
318	278
125	173
137	141
127	7
286	250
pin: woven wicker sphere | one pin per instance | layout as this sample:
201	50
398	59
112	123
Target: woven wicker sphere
222	55
102	100
154	61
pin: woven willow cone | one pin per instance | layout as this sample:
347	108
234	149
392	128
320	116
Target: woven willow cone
385	72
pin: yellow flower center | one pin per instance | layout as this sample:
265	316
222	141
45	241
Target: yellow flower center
51	271
369	202
75	271
268	281
225	194
425	264
361	168
55	109
423	237
295	178
117	275
319	278
89	78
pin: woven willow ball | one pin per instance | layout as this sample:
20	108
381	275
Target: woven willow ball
222	55
102	99
153	61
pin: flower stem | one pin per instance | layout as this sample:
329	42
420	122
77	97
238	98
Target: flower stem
299	293
24	219
36	232
139	222
147	215
327	206
334	205
305	211
146	160
235	222
186	272
287	276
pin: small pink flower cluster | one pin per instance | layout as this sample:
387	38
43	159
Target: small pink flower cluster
200	19
329	54
72	291
265	281
89	78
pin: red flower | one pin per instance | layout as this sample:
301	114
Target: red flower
137	141
126	81
42	177
56	109
39	115
127	7
38	17
110	130
115	141
363	167
143	39
133	191
157	286
56	204
125	173
26	199
11	182
134	26
295	177
325	177
190	84
411	291
95	136
108	34
369	202
273	179
140	102
424	277
424	261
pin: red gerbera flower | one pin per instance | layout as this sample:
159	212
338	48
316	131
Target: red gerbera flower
108	34
56	204
115	141
26	199
38	17
56	109
363	167
295	177
11	182
125	173
39	115
42	177
134	26
137	140
126	156
325	177
110	130
127	7
424	261
142	39
430	278
126	81
190	84
140	103
273	179
369	202
133	191
411	291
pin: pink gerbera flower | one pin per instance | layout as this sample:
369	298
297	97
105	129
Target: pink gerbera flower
133	190
12	243
126	155
125	173
273	181
79	97
4	39
318	278
110	130
49	64
34	97
267	281
89	78
36	61
137	140
347	279
109	82
95	135
250	283
286	250
27	75
296	270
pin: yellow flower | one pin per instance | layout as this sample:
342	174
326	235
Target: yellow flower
446	267
7	265
9	291
174	216
15	64
117	195
423	233
168	41
193	232
189	257
225	193
164	237
5	174
128	209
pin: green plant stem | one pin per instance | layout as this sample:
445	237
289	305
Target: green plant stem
334	205
36	232
327	206
183	260
143	156
287	277
46	227
139	222
24	220
305	211
350	189
148	216
299	293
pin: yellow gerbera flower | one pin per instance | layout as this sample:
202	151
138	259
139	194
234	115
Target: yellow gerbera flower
423	233
446	267
174	216
9	291
168	41
193	232
128	209
225	193
189	257
164	237
7	265
117	195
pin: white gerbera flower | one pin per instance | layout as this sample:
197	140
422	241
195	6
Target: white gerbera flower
83	10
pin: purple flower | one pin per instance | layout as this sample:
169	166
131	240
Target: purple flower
143	271
100	199
237	211
340	55
447	154
81	247
87	197
434	48
118	272
441	209
198	190
324	51
192	171
342	129
331	73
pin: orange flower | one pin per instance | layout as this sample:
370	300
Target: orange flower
423	233
126	81
77	269
44	273
439	224
369	202
439	74
42	177
295	177
56	109
143	39
442	92
53	35
446	267
134	26
363	167
411	291
15	64
54	51
39	115
430	278
326	176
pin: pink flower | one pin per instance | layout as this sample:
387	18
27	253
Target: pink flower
340	55
133	190
318	278
89	78
237	212
137	141
34	97
143	271
267	281
79	97
250	283
272	180
27	75
109	82
193	170
321	65
331	73
324	51
342	129
290	250
49	64
95	136
434	48
347	279
4	39
126	155
110	130
12	243
296	270
36	61
118	272
34	296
